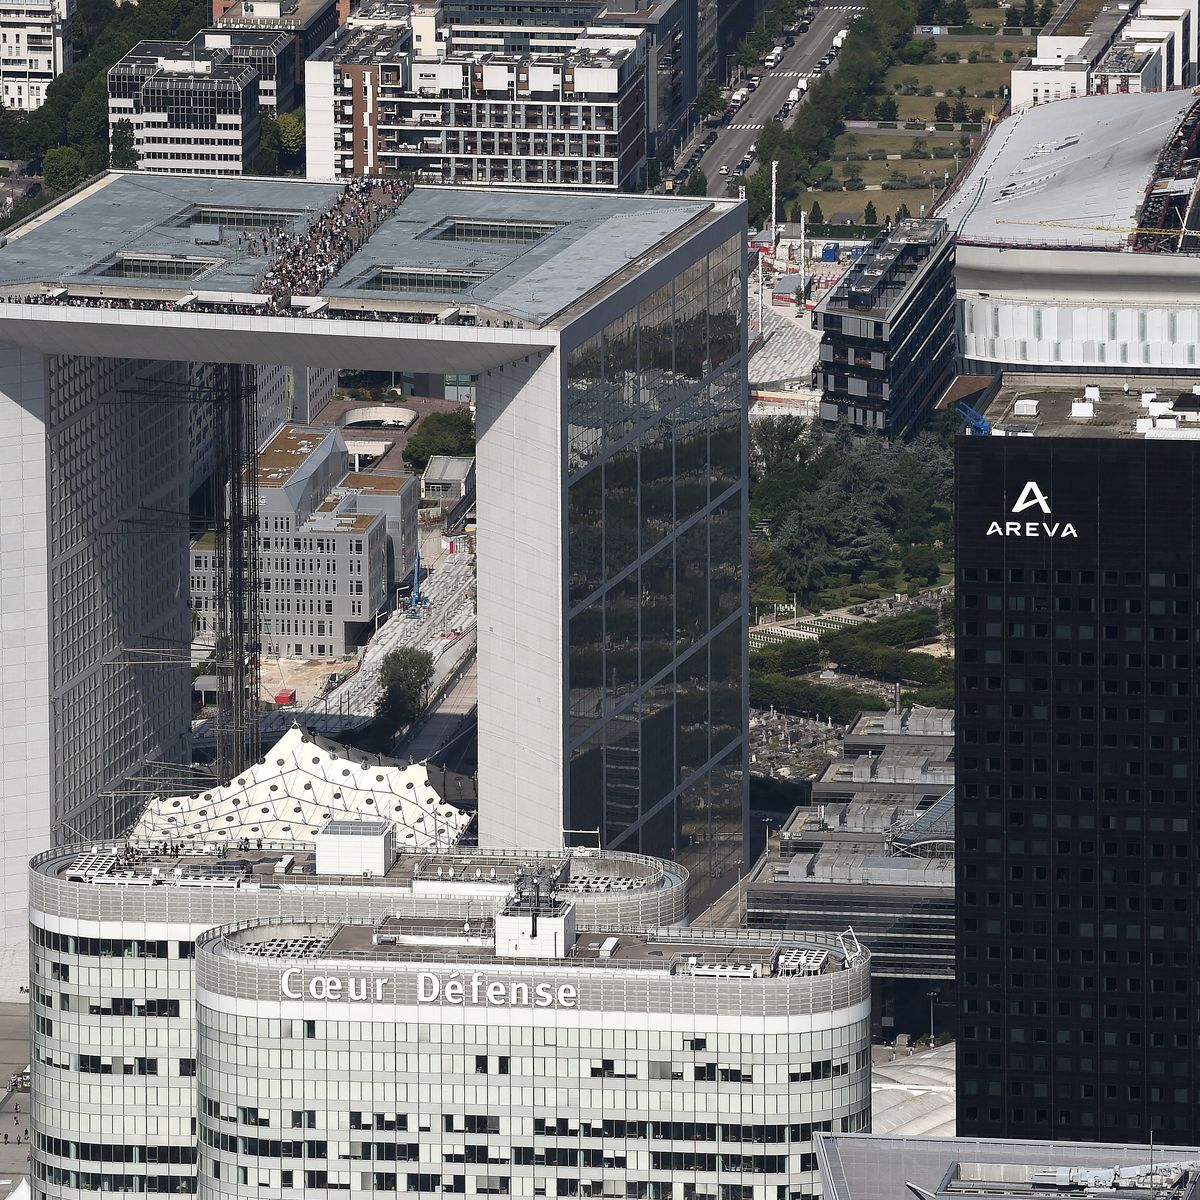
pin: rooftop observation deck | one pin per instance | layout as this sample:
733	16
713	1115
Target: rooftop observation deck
283	247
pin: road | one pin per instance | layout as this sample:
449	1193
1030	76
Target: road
734	139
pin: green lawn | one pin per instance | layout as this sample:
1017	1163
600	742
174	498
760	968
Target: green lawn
886	203
984	47
977	78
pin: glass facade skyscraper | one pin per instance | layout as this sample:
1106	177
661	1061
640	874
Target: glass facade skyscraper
656	580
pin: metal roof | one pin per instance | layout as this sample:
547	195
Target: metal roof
1072	173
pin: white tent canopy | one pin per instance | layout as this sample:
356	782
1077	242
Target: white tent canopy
302	781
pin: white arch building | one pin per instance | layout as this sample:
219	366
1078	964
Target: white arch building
607	334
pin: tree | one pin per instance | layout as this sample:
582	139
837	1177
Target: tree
1029	14
957	13
404	674
960	110
450	433
815	215
696	184
291	131
124	155
1012	16
870	216
270	146
941	111
710	102
888	109
921	562
1045	12
63	169
902	213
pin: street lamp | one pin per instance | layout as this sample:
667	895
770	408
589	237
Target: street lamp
932	996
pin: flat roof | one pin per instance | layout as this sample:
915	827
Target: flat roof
697	952
1063	409
292	13
442	467
382	483
523	255
867	1166
365	43
1072	173
1074	18
288	449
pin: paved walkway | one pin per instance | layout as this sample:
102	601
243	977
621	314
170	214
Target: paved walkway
14	1106
790	349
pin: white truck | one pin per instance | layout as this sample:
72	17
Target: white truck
839	38
773	58
798	91
739	97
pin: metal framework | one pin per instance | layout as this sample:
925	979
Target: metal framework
239	637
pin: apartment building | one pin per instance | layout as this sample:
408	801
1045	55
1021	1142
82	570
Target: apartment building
395	92
332	542
193	109
1092	47
35	48
887	345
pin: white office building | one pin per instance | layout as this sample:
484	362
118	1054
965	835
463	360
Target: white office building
35	49
334	1015
113	930
332	543
606	334
192	108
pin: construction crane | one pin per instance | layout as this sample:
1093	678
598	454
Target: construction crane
977	423
1133	230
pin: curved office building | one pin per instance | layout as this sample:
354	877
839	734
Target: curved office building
1078	230
113	931
521	1057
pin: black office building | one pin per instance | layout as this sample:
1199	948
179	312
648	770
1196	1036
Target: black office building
887	346
1078	793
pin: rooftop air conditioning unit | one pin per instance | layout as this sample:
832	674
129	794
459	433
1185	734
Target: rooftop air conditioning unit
1082	410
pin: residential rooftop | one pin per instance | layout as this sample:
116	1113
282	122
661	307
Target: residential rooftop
372	43
1104	406
1071	174
489	254
863	1166
881	275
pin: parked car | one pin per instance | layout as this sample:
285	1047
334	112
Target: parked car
723	171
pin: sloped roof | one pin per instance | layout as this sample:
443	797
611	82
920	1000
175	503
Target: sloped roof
301	782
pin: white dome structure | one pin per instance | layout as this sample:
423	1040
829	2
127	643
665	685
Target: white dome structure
300	783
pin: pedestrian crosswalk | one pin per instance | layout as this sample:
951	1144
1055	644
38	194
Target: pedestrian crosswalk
752	125
794	74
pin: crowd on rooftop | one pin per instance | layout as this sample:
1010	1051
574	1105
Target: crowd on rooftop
300	264
305	262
